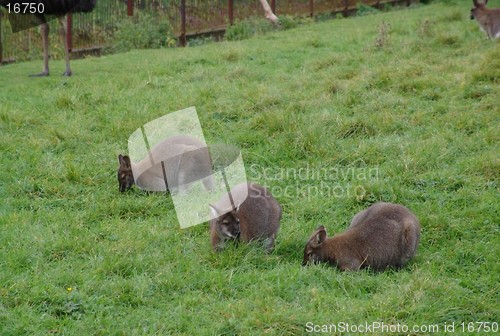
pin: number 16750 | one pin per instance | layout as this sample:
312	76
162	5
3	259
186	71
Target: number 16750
25	8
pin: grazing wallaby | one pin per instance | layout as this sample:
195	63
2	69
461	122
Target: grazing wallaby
256	217
384	235
488	19
185	159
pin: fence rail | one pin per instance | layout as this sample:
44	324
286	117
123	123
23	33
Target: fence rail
88	32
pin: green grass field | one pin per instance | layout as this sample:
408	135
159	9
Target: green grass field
400	106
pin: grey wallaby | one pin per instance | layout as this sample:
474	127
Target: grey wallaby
488	19
384	235
185	159
255	217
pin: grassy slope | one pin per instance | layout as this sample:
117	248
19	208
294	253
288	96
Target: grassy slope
422	109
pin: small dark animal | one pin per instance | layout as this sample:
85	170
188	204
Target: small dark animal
488	19
57	8
185	159
382	236
256	217
125	175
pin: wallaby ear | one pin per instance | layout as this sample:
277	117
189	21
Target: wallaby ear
124	160
214	210
320	236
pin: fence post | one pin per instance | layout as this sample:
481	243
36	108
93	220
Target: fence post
346	9
69	31
230	11
311	8
182	37
130	7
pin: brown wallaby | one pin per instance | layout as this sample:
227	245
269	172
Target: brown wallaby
185	159
488	19
255	217
384	235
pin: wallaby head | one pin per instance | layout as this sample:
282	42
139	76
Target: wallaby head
125	175
226	224
255	217
479	7
488	19
382	236
312	252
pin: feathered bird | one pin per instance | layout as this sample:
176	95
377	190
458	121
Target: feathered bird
58	8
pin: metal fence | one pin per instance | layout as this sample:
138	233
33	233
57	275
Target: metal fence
89	33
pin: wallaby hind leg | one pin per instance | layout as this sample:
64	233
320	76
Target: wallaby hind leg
411	237
184	183
209	183
352	265
269	243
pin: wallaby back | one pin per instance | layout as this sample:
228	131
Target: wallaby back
384	235
185	159
488	19
256	217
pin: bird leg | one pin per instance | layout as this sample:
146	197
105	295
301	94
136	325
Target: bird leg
268	12
44	28
62	31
